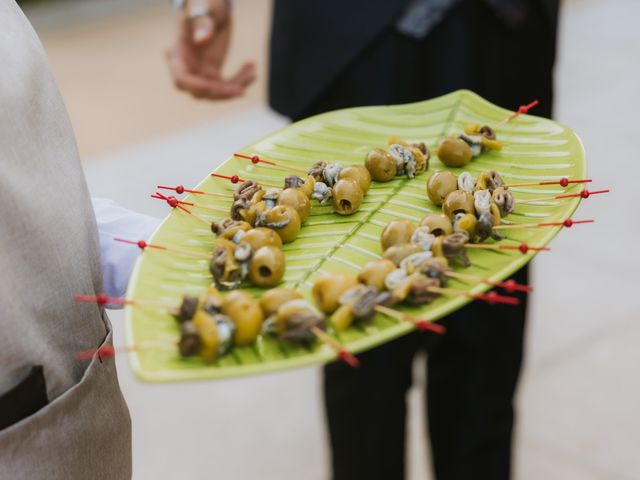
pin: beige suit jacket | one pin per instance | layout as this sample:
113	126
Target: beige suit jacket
49	252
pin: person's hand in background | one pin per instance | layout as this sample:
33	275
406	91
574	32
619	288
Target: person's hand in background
197	57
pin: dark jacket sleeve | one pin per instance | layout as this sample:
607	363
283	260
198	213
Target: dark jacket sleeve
313	40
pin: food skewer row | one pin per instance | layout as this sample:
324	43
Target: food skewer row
345	187
329	184
475	140
404	241
255	256
213	324
478	206
354	300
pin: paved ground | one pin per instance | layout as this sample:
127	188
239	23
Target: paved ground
580	390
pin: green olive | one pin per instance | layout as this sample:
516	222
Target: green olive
296	199
400	251
267	266
466	223
454	152
208	333
285	221
342	318
441	184
247	316
374	273
458	201
380	164
347	196
261	237
271	300
236	296
397	231
438	224
328	288
359	173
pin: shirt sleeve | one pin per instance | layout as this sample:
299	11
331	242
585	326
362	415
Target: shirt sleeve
118	259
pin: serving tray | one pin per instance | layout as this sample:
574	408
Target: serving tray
534	149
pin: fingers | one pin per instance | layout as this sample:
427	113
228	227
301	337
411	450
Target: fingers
202	87
201	29
245	76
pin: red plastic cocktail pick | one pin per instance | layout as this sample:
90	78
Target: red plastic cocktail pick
142	245
564	223
236	179
342	353
420	323
491	297
102	299
179	189
583	194
563	182
522	109
523	247
255	159
509	286
173	202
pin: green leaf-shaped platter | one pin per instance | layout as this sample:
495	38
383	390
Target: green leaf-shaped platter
535	149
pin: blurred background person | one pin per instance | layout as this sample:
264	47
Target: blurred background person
335	54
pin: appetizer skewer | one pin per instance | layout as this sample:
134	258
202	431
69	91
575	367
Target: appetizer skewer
212	325
478	206
257	258
476	139
329	184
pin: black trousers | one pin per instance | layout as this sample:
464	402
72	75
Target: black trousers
473	369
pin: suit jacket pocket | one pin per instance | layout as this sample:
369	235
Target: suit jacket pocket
83	433
24	399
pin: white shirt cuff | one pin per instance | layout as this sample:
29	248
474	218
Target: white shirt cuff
118	259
